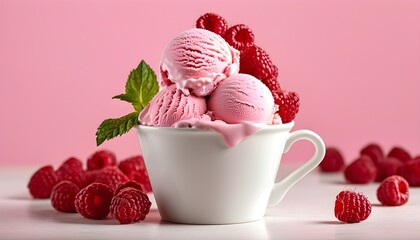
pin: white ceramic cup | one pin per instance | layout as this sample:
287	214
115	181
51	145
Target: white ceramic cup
197	179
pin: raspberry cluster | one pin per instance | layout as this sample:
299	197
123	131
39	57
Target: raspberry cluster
396	171
253	61
96	191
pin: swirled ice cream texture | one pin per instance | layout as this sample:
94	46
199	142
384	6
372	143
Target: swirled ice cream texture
197	60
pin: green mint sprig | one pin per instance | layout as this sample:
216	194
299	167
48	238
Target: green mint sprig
140	88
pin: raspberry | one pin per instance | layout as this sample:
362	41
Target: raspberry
63	195
131	164
351	207
112	177
399	153
288	105
411	172
388	167
143	179
93	201
90	176
101	159
240	37
42	182
71	170
361	170
212	22
131	184
256	62
130	205
393	191
374	151
333	160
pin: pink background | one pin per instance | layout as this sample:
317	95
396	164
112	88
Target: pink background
355	64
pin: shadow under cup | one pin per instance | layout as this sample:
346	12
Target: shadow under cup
197	179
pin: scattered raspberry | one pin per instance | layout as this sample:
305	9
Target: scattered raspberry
72	170
93	201
90	176
388	167
130	205
393	191
256	62
288	105
212	22
131	184
411	172
101	159
112	177
351	207
333	160
374	151
132	164
63	195
399	153
42	182
143	179
361	170
240	37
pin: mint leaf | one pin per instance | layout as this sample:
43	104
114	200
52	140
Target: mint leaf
111	128
141	87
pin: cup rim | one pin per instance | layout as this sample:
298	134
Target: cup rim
138	127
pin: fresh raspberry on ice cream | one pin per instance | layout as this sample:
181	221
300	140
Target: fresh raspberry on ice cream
256	62
213	23
240	37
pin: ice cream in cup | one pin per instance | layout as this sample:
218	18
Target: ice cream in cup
213	132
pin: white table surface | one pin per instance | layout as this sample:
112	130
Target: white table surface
307	212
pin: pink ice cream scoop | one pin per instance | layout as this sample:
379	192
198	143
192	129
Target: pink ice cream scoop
170	105
240	98
196	60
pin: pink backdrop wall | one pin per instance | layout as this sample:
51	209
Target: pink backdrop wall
355	64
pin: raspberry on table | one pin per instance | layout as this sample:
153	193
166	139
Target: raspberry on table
212	22
399	153
132	164
72	170
393	191
374	151
143	179
240	37
333	160
70	166
131	184
411	172
42	182
388	167
101	159
256	62
130	205
93	201
112	177
63	195
362	170
288	105
351	207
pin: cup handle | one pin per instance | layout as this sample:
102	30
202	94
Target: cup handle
281	188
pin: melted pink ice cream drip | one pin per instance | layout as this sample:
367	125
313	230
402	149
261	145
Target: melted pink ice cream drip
232	134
